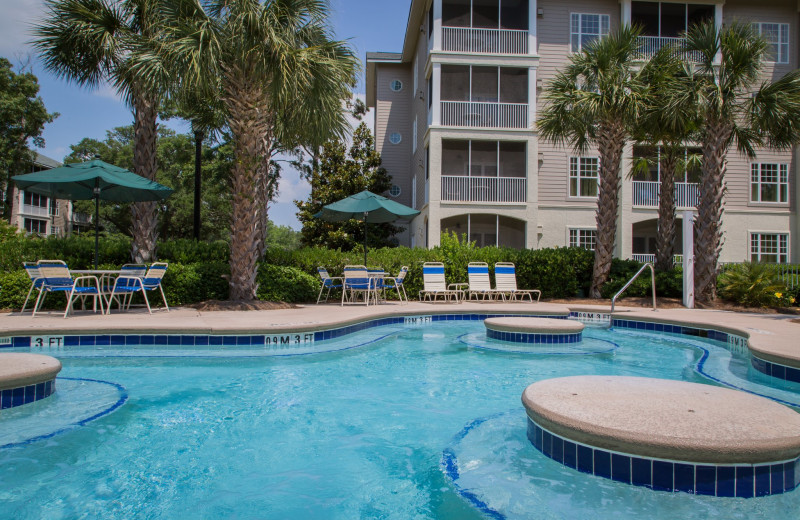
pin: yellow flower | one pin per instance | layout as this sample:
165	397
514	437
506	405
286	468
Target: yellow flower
791	299
779	295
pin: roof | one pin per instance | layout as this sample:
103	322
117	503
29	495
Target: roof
45	162
416	15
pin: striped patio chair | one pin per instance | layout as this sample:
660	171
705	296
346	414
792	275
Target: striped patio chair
129	285
32	270
398	283
128	273
357	283
505	277
480	286
434	284
327	283
57	278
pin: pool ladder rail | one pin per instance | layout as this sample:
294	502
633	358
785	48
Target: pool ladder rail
652	277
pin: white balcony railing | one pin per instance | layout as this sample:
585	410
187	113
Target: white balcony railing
488	41
484	115
649	45
81	218
36	211
651	258
483	189
646	193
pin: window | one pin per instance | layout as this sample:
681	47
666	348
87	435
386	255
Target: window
416	75
34	199
769	247
395	191
395	138
769	182
430	22
777	36
396	85
585	28
484	84
54	208
55	230
665	20
414	136
583	238
462	158
583	176
34	225
486	14
414	192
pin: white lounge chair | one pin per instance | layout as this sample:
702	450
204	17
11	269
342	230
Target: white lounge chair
480	286
434	284
505	276
328	282
32	270
357	283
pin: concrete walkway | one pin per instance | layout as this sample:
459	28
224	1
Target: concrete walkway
772	337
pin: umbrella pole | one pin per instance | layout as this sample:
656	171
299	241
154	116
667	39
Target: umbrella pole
96	228
365	238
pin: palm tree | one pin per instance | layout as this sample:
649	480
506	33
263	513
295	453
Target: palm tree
733	106
595	101
667	122
281	79
95	41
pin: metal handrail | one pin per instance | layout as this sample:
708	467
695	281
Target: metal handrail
653	277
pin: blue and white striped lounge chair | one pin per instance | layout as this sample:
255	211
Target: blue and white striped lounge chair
505	278
480	286
434	284
129	285
357	283
327	283
57	278
32	270
128	273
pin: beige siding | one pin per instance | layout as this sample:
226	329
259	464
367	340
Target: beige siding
737	178
393	114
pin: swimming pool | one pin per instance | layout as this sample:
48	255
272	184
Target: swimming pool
406	421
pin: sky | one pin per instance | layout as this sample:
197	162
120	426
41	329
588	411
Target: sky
368	25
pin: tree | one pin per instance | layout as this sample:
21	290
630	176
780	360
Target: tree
282	82
337	174
22	119
733	109
595	101
92	41
667	122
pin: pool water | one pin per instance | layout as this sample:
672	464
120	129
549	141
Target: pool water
357	433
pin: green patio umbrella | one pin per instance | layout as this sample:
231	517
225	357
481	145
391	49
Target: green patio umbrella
96	180
372	208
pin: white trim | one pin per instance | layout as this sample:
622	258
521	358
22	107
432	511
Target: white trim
788	234
782	168
580	32
399	137
783	29
395	81
569	229
570	196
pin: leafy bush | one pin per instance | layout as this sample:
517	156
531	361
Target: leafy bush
754	285
192	283
287	284
669	284
187	251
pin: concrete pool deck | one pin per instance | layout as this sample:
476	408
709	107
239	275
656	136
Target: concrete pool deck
772	337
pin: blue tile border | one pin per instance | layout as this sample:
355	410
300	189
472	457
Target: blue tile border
538	338
776	370
12	397
728	480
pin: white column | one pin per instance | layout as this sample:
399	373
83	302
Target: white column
625	12
531	97
436	101
718	26
437	25
688	259
532	29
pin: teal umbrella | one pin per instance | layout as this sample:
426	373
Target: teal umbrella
92	180
372	208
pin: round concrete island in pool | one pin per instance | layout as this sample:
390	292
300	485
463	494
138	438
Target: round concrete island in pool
666	435
534	330
25	378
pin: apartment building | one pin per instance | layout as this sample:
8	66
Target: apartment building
455	116
42	215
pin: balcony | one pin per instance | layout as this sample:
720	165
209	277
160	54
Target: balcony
651	258
484	41
35	211
649	45
484	189
81	218
646	193
485	115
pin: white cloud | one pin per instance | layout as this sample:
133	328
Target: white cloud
107	91
16	26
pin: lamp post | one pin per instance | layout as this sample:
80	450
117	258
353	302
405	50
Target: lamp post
198	148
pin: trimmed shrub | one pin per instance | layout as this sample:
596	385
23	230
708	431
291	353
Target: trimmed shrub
669	284
286	284
192	283
754	285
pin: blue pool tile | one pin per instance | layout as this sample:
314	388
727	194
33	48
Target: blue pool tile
173	340
726	481
30	393
663	475
706	480
641	472
557	451
215	340
243	340
40	391
788	476
793	375
87	341
585	459
5	399
797	473
570	454
160	339
117	340
229	341
778	371
147	340
49	387
762	481
201	341
72	341
776	479
21	341
187	340
258	340
621	468
102	340
547	443
602	463
745	481
684	477
18	396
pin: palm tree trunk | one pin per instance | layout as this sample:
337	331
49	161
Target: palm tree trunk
611	141
665	239
144	219
245	103
708	230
